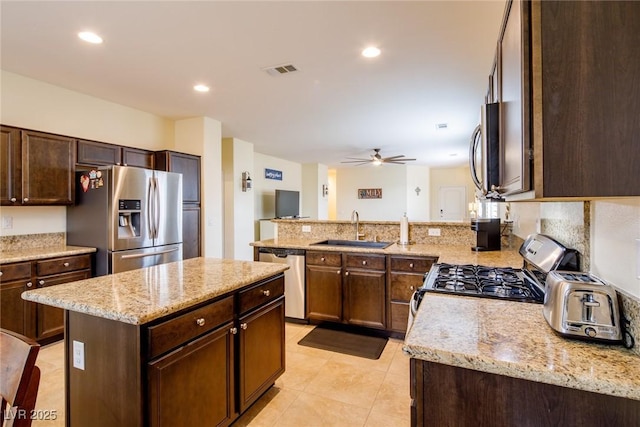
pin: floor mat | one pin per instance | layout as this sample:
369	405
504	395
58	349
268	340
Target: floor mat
340	341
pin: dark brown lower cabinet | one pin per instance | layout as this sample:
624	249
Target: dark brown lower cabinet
184	390
364	295
443	395
324	293
261	352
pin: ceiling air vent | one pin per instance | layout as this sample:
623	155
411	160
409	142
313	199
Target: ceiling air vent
280	69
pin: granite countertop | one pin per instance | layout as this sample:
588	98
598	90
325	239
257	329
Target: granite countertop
30	254
513	339
140	296
452	254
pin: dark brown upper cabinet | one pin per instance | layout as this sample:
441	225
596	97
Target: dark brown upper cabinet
93	153
569	99
37	168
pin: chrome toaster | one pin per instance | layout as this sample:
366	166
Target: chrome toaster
580	305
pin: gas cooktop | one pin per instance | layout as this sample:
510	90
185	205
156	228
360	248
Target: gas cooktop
489	282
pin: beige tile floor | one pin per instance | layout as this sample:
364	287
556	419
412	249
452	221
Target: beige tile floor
319	388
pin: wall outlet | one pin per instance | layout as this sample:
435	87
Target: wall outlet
7	222
78	355
306	229
434	232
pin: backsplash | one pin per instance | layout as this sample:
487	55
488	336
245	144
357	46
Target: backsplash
631	310
386	231
32	241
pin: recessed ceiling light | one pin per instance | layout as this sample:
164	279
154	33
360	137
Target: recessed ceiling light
90	37
371	52
201	88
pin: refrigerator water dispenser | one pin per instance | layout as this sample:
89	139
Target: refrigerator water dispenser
129	219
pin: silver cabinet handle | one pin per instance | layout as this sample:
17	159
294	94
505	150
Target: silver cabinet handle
364	262
200	321
41	282
346	273
411	265
338	272
243	326
0	273
29	284
66	264
266	293
26	199
322	259
13	199
233	331
411	288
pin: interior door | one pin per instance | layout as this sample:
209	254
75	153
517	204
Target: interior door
452	201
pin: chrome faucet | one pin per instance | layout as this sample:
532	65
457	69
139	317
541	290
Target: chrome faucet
357	220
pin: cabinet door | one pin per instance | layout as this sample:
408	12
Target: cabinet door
515	105
324	293
12	306
95	153
49	320
401	288
261	351
48	169
137	157
190	232
364	293
186	164
194	385
10	166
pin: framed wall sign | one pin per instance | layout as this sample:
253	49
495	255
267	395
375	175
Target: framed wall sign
273	174
369	193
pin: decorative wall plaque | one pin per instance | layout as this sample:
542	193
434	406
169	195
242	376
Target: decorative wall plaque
369	193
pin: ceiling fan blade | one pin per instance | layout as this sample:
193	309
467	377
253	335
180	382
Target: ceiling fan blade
401	160
392	157
357	161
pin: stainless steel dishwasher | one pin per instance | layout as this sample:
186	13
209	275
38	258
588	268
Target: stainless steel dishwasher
294	290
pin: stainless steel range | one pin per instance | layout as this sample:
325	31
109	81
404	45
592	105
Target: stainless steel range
541	254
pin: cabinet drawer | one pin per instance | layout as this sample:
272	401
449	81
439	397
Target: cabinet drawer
403	285
413	265
181	329
16	271
373	262
62	265
261	294
330	259
43	282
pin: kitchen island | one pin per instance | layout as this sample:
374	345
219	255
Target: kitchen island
495	362
194	342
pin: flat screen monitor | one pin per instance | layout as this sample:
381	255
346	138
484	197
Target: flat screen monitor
287	204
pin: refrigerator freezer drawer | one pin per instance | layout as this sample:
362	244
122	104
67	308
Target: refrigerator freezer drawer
139	258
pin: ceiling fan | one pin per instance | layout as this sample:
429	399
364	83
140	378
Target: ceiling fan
377	159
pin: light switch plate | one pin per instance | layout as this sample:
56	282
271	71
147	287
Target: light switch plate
434	232
78	355
7	222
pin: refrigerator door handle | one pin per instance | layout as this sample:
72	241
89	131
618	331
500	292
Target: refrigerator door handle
150	209
158	207
149	254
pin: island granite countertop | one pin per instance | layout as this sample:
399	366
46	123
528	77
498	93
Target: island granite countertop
451	254
30	254
513	339
140	296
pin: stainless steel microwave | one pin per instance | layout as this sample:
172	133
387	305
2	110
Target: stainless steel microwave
484	152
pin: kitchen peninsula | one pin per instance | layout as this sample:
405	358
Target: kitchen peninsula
189	342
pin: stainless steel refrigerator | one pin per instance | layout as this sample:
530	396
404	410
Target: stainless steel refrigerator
133	216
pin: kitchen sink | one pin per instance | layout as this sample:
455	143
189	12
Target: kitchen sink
354	243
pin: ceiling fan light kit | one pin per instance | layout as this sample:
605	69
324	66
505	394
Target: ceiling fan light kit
376	159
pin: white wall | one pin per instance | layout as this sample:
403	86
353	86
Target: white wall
237	157
615	242
418	203
314	204
392	179
36	105
264	190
